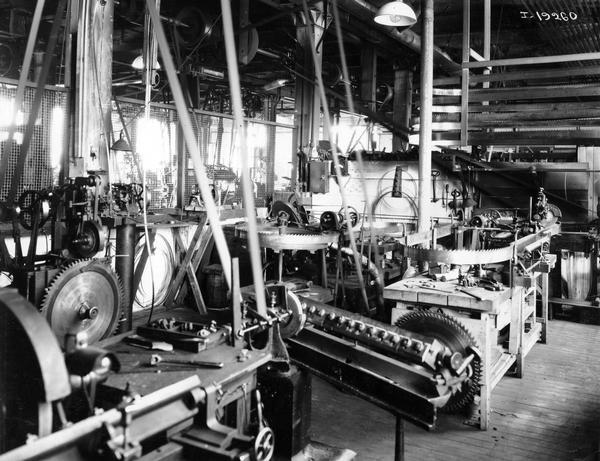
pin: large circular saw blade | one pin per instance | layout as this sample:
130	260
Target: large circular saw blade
85	296
457	338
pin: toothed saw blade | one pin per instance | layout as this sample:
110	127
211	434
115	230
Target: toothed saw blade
85	296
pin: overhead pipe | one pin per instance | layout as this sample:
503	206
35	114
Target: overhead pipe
409	38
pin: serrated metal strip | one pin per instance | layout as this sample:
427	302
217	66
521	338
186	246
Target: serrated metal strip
460	256
296	241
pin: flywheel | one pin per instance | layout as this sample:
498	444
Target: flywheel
87	296
457	338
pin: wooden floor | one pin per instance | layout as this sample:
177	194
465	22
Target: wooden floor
553	413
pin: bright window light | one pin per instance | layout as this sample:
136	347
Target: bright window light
257	136
6	112
152	143
17	137
56	136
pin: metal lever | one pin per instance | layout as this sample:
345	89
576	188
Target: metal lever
155	359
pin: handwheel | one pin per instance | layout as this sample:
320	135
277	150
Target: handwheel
352	213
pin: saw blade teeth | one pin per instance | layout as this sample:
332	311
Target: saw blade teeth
75	269
465	395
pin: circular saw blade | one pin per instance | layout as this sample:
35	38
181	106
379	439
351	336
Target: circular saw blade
457	338
85	296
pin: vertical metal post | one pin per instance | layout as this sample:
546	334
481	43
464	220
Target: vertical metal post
270	114
464	99
487	44
190	140
487	35
247	188
425	116
545	305
182	176
124	265
236	306
399	446
68	82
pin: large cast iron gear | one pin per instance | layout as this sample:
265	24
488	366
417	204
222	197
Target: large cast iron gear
457	338
86	295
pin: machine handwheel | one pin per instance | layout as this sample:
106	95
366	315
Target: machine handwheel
352	213
264	444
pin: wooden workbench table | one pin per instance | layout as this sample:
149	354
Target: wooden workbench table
484	313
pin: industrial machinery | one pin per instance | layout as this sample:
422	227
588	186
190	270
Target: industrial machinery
78	407
490	276
201	399
301	246
75	293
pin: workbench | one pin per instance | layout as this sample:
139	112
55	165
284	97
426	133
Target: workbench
233	383
504	324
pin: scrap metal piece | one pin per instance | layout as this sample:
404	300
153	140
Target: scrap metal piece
85	296
457	338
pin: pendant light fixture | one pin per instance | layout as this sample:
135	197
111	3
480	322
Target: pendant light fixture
395	14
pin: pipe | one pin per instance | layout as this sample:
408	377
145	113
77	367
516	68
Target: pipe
124	265
371	269
247	186
411	39
426	105
185	121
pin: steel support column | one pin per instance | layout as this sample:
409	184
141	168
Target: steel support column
426	104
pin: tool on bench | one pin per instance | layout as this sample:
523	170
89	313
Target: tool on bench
477	297
427	286
489	284
156	359
145	343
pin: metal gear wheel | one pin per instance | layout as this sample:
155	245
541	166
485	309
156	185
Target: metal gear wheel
87	296
457	338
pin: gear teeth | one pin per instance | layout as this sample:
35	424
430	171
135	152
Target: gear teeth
460	256
465	395
77	266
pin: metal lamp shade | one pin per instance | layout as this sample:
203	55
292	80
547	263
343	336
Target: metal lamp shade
396	14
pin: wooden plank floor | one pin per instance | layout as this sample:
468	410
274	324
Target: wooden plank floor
553	413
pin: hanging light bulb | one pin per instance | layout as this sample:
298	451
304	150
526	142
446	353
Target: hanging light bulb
138	63
396	14
121	144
